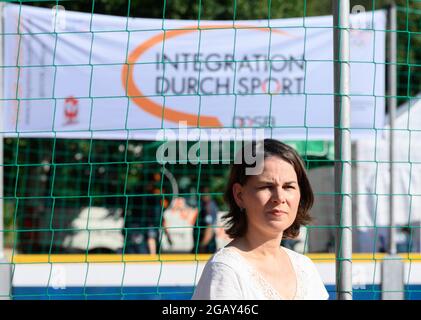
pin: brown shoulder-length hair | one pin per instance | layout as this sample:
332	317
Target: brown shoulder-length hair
236	221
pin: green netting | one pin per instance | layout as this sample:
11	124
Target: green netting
48	182
33	184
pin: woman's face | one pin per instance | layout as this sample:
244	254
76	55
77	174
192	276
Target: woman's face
271	199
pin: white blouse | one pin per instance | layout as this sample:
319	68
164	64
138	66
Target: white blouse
229	276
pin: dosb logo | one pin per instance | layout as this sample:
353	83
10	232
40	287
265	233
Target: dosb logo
71	110
257	121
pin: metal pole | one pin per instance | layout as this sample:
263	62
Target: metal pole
1	137
393	265
5	267
392	82
343	204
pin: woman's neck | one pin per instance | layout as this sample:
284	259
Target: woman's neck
258	245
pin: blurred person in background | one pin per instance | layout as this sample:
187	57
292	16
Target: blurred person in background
204	235
144	223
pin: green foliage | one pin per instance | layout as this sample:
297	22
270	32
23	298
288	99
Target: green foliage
200	9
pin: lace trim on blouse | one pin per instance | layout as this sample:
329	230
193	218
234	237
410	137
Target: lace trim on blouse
268	290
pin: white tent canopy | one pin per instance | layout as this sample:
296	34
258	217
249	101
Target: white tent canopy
373	167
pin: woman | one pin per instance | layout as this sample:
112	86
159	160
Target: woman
264	209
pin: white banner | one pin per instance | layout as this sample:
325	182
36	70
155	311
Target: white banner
113	77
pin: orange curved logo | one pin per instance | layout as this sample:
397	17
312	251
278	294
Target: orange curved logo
156	109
